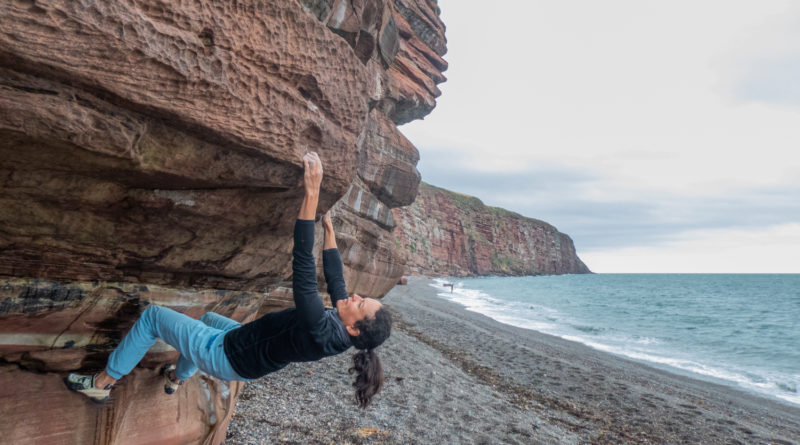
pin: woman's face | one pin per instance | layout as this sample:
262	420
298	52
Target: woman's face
354	309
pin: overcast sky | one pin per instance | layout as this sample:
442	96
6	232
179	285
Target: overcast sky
662	136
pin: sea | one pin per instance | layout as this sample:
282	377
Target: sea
739	330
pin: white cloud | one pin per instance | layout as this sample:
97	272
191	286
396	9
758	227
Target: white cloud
763	62
645	98
770	250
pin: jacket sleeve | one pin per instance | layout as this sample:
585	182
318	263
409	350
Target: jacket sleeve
304	276
332	267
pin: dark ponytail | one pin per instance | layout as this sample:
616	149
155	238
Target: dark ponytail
369	376
366	365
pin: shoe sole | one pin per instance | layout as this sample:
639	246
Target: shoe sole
76	388
169	387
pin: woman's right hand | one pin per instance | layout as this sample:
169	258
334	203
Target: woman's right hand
327	229
326	221
312	176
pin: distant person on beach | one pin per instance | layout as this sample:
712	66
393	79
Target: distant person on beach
229	350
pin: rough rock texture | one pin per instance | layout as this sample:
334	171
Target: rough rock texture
447	233
150	151
49	328
161	143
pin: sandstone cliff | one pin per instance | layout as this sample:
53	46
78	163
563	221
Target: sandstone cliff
150	152
449	234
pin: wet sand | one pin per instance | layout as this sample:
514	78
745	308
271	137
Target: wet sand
454	376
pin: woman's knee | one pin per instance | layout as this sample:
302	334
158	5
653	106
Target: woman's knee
150	312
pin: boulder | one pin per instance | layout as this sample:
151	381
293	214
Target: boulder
150	152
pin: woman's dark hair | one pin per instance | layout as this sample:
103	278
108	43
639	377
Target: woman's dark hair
366	365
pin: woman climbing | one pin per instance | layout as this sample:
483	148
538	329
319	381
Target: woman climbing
229	350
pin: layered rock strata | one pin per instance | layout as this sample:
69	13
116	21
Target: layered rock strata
449	234
150	152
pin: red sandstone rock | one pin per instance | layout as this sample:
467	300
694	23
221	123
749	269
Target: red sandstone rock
448	234
49	328
150	151
164	145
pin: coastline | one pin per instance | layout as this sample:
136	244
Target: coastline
458	376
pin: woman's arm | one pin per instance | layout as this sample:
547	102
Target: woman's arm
304	272
332	262
330	235
312	180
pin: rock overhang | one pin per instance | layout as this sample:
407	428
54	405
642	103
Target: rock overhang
150	153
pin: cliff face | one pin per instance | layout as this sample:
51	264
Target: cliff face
150	152
446	233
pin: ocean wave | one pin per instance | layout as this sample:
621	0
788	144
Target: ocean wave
474	299
775	385
594	330
666	351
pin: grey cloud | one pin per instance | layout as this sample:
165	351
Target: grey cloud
557	195
449	166
772	82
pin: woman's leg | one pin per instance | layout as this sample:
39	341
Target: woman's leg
192	338
185	368
176	329
218	321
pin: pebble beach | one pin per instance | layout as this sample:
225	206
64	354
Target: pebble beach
454	376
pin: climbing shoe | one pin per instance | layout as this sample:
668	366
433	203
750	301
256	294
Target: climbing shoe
84	384
171	384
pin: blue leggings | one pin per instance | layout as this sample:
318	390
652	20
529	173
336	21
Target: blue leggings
200	343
